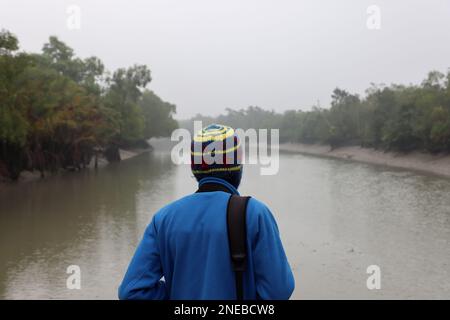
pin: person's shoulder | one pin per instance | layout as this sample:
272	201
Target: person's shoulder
257	208
175	205
259	217
257	204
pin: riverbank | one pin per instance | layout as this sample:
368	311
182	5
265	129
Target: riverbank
27	176
418	161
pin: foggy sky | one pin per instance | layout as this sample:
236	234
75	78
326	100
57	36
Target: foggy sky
207	55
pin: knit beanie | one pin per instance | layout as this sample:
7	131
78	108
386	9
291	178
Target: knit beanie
216	152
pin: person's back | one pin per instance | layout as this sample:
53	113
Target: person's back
187	244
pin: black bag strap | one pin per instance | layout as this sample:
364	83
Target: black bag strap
237	238
237	232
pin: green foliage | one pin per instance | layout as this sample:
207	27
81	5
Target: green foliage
8	42
157	114
440	129
57	110
397	117
123	96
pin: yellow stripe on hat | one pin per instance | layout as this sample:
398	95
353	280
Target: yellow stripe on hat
222	169
206	136
209	132
216	151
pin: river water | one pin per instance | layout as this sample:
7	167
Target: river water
336	218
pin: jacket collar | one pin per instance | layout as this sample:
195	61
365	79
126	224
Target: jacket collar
222	182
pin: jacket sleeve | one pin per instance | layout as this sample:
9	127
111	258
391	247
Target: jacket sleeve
143	277
273	275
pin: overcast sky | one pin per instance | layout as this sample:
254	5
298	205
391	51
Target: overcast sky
207	55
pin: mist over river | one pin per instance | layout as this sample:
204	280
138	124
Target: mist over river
336	218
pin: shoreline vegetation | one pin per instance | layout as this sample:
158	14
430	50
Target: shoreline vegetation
423	162
403	126
62	112
29	176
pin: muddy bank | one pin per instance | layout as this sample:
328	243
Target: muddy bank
418	161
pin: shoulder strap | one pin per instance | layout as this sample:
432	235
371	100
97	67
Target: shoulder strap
237	238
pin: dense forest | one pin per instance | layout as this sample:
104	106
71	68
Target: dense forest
59	111
397	117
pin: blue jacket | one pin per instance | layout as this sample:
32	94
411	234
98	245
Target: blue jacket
186	243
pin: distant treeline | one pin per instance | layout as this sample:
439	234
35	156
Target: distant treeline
396	117
58	110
